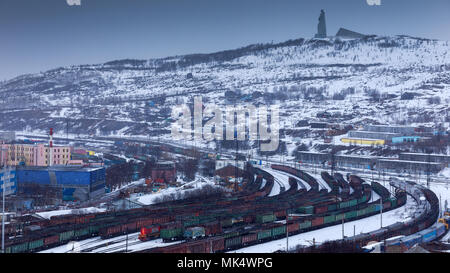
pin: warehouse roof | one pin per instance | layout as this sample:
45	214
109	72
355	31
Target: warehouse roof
407	161
372	132
425	154
61	168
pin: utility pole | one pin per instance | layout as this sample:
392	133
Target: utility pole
287	233
381	210
126	244
428	167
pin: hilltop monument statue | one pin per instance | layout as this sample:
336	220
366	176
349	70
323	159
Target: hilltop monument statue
321	27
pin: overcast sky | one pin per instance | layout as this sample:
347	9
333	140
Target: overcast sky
39	35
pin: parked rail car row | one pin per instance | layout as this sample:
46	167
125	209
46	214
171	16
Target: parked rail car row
261	234
421	223
232	211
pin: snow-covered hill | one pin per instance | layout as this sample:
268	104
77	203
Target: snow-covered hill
399	79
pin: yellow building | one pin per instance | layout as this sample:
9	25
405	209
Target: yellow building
363	141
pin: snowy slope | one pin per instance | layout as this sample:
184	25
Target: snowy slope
125	97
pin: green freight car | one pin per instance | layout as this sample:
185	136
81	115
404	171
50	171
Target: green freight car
329	219
306	210
360	212
305	224
340	216
35	244
264	234
226	222
79	233
66	236
276	231
191	222
393	202
20	248
351	214
332	207
265	218
234	241
94	229
169	234
231	234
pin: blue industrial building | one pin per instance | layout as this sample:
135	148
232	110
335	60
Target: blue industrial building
11	185
405	139
75	182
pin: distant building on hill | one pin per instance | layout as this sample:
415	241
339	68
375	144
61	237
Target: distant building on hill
322	26
345	33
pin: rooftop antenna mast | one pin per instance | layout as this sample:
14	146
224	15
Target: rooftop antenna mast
50	145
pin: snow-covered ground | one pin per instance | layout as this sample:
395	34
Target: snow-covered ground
198	183
48	214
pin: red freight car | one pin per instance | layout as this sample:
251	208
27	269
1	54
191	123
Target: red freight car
178	248
197	247
51	240
129	227
292	227
212	228
217	244
317	221
249	219
249	238
82	219
321	209
144	222
110	231
280	213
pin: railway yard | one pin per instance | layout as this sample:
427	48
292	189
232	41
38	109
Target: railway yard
281	207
